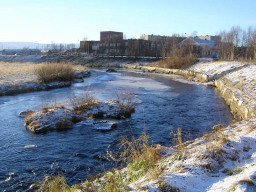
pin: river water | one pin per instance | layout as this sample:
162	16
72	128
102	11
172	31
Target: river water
165	105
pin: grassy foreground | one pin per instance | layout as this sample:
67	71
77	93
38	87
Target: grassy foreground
137	154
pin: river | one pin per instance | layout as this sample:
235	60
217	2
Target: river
164	105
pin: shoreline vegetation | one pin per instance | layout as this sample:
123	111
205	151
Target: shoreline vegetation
27	77
222	160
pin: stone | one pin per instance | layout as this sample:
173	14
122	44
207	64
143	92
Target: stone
24	113
30	146
110	70
105	125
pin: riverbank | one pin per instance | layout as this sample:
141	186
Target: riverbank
234	80
222	160
22	77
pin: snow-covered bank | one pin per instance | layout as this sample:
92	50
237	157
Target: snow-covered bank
223	160
24	87
238	89
235	81
216	70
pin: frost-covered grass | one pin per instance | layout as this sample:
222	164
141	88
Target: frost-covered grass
27	72
223	160
219	161
13	73
138	154
216	67
24	77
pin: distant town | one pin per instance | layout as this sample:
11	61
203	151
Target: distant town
233	44
112	43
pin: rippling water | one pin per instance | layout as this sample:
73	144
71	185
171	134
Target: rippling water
165	105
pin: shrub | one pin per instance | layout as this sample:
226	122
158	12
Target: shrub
55	183
126	102
216	139
177	140
139	156
82	102
176	62
49	72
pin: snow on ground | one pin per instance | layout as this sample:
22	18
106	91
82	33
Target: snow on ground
223	160
216	68
244	80
13	58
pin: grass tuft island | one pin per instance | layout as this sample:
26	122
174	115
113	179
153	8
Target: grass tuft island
81	108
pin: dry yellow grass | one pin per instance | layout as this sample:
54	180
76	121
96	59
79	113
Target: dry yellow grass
16	72
13	73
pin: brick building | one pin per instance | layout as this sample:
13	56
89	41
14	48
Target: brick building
112	43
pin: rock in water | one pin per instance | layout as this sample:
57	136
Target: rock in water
30	146
111	70
22	114
105	125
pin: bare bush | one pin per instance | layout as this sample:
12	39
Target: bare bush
180	57
177	140
126	102
50	72
82	102
52	183
140	157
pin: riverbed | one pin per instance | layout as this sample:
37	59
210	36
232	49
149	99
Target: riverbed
164	105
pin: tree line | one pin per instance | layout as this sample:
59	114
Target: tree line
237	44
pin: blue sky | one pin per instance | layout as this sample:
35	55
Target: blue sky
69	21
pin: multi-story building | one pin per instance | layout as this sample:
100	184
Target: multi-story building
156	38
112	43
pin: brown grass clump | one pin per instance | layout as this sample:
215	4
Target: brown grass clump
15	72
138	149
50	72
53	184
141	159
178	62
126	102
164	187
177	140
139	156
83	102
216	139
